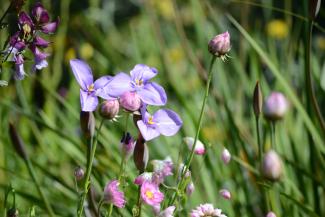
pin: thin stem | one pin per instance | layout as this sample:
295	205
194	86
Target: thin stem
99	206
5	14
260	148
188	162
93	145
44	198
139	204
110	209
273	135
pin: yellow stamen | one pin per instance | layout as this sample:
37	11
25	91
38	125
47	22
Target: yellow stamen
91	88
27	29
138	82
149	194
150	120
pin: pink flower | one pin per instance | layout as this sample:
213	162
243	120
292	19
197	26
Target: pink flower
276	105
225	156
162	168
143	177
206	210
113	195
225	194
199	147
150	194
168	212
270	214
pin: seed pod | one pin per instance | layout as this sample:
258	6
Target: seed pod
141	154
257	100
17	142
87	124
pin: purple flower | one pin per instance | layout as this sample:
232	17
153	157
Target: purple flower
42	19
127	145
39	58
168	212
150	194
26	24
225	194
16	43
206	210
19	67
90	90
163	121
199	147
113	195
162	168
150	92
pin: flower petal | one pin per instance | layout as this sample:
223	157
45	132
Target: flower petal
82	73
143	72
148	133
88	101
100	87
167	121
119	84
50	28
153	94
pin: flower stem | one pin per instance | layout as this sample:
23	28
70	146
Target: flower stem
260	148
5	13
273	135
44	198
93	145
189	160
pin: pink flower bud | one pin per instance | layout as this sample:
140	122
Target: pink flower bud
225	156
180	171
270	214
109	109
225	194
190	189
220	45
130	101
127	145
143	177
199	147
79	173
272	166
276	105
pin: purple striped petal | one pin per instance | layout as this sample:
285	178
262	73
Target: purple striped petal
119	84
50	28
100	87
147	132
143	72
88	101
82	73
167	121
153	94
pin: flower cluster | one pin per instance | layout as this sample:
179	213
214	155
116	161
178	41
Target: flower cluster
28	36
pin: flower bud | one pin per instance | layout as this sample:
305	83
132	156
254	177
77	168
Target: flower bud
13	212
141	154
190	188
109	109
276	105
17	142
219	46
225	156
225	194
257	100
181	170
79	173
87	124
127	145
270	214
199	147
314	6
130	101
272	166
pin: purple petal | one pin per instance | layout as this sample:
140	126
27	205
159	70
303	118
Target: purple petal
119	84
40	42
16	42
82	73
148	133
167	122
39	64
40	14
88	101
100	87
50	27
24	18
143	72
153	94
19	67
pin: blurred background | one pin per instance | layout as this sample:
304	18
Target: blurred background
268	45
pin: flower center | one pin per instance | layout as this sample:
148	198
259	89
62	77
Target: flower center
149	194
150	120
139	82
26	29
91	88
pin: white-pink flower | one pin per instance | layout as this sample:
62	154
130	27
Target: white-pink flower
150	194
113	195
206	210
199	147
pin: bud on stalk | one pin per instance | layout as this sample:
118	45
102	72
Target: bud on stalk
141	154
257	100
87	124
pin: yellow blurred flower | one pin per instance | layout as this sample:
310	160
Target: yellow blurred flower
70	54
175	54
86	51
164	8
277	29
320	42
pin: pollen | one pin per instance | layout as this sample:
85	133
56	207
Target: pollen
149	194
138	82
27	29
91	88
150	120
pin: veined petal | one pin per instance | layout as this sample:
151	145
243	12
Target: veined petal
143	72
167	122
88	101
119	84
102	82
82	73
153	94
147	132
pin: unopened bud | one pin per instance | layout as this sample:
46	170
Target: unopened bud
225	194
270	214
181	169
257	100
199	147
141	154
87	124
276	105
220	45
13	212
225	156
127	145
190	188
130	101
272	166
314	6
109	109
79	173
17	142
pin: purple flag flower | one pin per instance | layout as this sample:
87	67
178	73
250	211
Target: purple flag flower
150	92
163	121
19	67
90	90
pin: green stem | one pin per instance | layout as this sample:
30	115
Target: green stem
110	210
100	206
188	162
44	198
260	148
5	14
273	135
93	145
139	204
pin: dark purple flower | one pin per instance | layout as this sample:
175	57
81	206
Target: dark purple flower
90	90
16	43
150	92
40	42
25	23
50	28
40	14
163	121
19	67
